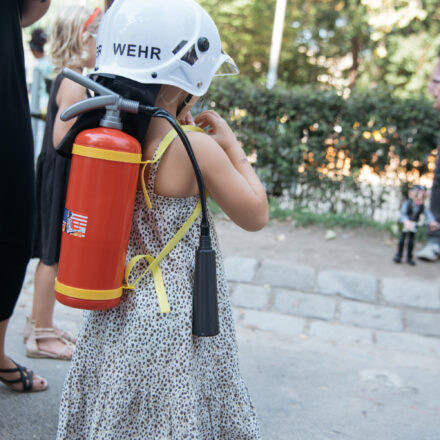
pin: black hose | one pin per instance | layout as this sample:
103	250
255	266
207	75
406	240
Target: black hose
158	112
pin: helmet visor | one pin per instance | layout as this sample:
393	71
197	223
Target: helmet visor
227	66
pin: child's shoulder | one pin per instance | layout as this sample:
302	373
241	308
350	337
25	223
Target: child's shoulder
207	151
202	143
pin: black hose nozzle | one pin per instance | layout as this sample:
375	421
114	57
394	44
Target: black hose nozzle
205	306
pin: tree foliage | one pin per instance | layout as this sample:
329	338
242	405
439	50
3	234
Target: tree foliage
344	43
315	145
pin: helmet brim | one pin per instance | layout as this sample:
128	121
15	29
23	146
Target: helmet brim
226	66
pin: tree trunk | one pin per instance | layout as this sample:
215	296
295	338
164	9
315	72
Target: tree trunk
355	49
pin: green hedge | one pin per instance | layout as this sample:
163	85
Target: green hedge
311	144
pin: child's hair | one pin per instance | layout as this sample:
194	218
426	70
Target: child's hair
68	36
38	40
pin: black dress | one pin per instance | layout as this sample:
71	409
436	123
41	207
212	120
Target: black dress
52	176
16	164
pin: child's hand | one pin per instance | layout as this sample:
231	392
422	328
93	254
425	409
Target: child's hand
409	225
186	120
433	226
219	129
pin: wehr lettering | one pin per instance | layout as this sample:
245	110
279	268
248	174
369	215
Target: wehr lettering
98	50
118	48
133	50
155	51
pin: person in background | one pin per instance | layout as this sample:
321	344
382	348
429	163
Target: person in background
413	207
73	46
39	95
16	178
431	252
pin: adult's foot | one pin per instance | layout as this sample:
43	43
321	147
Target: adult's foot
431	252
18	378
46	343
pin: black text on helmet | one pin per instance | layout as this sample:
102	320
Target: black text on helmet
135	50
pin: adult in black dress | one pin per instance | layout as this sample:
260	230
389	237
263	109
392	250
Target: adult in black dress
16	177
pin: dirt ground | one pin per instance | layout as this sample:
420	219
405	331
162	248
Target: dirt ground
358	250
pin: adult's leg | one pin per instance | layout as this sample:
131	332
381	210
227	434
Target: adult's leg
434	236
12	269
431	251
43	307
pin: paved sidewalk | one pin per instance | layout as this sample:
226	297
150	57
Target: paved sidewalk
336	304
306	384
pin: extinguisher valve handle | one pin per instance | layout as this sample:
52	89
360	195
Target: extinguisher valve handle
87	105
87	82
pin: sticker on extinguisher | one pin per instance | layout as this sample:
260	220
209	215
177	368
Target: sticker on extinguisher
74	224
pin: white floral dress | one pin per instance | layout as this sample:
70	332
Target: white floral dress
138	374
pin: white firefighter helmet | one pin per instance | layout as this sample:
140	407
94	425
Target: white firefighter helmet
172	42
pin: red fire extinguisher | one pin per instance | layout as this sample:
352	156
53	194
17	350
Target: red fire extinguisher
99	204
97	218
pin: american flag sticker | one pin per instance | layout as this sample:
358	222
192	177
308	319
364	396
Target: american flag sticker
74	224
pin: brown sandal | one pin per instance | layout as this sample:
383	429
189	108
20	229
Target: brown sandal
30	324
26	379
33	351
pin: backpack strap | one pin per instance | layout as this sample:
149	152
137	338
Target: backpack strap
166	142
153	265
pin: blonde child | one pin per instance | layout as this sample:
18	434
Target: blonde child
73	43
136	373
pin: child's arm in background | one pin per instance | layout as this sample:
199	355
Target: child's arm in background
230	179
69	93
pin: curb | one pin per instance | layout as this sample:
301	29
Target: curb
359	306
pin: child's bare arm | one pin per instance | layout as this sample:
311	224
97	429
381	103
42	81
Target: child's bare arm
68	93
229	177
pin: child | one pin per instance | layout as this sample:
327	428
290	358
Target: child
410	212
73	45
136	373
42	70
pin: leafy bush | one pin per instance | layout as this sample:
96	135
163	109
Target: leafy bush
313	145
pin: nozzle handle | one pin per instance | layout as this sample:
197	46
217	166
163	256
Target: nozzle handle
87	105
87	82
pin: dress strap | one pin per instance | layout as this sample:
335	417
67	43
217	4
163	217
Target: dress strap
160	150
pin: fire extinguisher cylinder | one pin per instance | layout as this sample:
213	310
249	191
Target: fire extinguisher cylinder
97	218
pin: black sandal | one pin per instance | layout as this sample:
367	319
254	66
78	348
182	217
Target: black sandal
26	379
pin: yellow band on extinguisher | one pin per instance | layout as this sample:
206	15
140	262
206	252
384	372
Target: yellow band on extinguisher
98	295
114	156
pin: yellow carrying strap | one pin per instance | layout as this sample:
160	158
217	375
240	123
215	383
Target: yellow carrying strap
166	142
154	262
